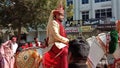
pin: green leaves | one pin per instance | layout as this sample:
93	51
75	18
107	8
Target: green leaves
69	11
26	11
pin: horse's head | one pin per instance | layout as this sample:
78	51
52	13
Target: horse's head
97	50
103	38
78	52
100	40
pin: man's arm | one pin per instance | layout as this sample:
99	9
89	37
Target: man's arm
55	31
6	43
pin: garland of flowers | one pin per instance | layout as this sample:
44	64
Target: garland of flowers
113	42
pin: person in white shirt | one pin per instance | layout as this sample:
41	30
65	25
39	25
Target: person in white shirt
37	43
14	45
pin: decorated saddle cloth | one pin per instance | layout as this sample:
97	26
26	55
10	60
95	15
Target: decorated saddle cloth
28	59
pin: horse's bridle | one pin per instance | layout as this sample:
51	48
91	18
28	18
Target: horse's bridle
104	46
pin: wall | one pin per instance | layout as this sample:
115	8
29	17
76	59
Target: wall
31	35
92	6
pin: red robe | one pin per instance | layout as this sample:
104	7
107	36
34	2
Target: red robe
49	59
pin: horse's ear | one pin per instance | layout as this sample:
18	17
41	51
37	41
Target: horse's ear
113	42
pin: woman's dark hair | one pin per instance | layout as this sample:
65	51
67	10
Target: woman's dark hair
79	48
35	38
12	37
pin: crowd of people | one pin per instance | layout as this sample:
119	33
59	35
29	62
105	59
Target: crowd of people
36	43
59	52
56	53
9	49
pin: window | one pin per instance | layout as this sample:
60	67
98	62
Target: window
84	1
96	1
85	15
103	13
69	3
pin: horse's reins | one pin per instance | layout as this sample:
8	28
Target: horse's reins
89	63
104	46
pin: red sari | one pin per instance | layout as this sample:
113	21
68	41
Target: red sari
56	58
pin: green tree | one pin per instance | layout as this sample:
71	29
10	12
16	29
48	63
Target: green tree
69	11
20	13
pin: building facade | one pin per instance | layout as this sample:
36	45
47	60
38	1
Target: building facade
69	2
97	14
93	16
90	9
41	34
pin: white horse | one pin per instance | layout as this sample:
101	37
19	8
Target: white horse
98	48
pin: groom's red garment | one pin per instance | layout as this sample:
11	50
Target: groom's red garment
57	58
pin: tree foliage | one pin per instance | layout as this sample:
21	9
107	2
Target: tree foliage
32	13
69	11
25	12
